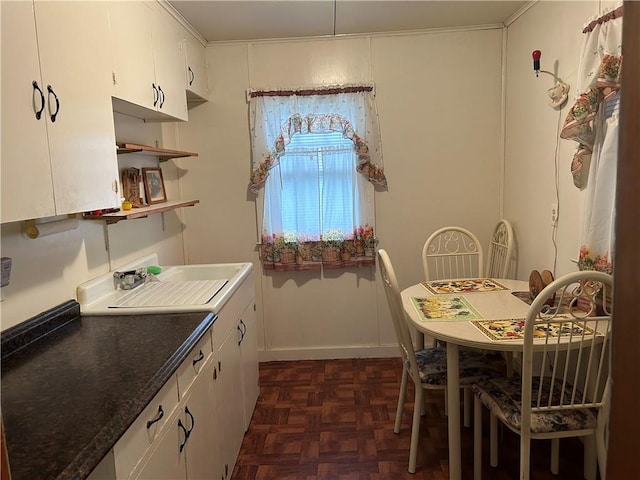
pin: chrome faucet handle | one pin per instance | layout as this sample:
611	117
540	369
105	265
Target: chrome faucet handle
129	280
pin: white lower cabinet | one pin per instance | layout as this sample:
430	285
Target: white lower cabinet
249	357
235	344
201	421
165	459
194	427
187	449
230	404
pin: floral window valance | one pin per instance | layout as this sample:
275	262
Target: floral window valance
318	123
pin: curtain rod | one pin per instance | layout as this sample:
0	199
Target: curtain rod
603	19
310	91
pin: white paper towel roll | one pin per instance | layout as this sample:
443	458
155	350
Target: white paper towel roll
35	230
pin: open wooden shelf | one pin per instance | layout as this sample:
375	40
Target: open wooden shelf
163	154
141	212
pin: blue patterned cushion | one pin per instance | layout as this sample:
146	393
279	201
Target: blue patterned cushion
503	397
432	363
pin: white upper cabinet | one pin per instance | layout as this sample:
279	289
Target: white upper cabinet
148	62
196	71
58	138
168	59
27	189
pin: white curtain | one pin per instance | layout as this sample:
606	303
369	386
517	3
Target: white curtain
334	180
593	123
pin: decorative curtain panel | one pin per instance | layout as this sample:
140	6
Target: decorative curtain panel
318	208
592	121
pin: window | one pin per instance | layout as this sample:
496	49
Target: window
318	177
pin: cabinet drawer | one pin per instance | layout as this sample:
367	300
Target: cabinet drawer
142	433
193	363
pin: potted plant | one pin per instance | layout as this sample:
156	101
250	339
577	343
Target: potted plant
316	251
358	241
305	245
348	249
369	240
332	241
277	246
288	252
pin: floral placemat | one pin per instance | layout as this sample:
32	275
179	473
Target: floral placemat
444	307
469	285
514	329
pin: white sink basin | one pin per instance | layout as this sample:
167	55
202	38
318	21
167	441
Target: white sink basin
99	296
213	271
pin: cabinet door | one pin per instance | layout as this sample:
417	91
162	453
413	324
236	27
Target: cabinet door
27	191
200	420
228	399
166	460
146	430
249	355
74	48
196	70
130	25
168	60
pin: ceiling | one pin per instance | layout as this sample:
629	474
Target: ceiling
234	20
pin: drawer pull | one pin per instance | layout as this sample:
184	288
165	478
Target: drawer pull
39	112
156	95
242	328
158	417
186	435
161	96
193	421
192	76
199	359
51	92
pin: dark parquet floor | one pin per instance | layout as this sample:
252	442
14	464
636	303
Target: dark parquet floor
333	420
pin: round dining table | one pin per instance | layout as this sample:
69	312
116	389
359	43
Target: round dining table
498	304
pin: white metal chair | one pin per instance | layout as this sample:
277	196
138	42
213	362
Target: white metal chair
426	367
500	251
499	262
452	252
562	391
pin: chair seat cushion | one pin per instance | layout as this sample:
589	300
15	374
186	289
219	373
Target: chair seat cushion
503	397
473	366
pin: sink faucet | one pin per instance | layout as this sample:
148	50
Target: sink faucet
130	279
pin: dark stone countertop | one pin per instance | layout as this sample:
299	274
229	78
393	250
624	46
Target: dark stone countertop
69	395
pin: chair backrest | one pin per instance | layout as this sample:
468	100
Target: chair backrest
394	299
452	252
500	251
572	343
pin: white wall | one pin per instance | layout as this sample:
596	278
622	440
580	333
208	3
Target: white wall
554	28
438	97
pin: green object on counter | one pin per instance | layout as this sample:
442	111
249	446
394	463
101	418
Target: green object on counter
153	269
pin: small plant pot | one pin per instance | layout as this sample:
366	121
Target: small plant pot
330	254
287	255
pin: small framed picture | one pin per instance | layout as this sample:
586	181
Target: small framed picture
154	185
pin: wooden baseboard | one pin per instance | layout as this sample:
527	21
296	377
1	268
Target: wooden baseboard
328	353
